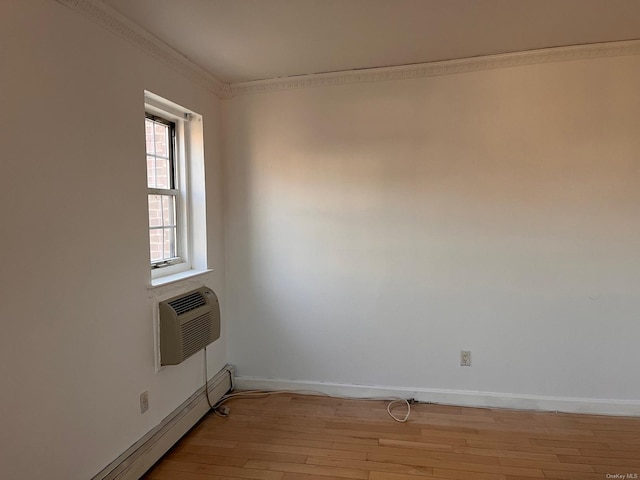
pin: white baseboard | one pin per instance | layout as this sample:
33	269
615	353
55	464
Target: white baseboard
594	406
138	458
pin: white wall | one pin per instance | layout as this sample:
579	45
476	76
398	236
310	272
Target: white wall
376	229
76	347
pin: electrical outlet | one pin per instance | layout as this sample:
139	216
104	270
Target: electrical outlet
144	401
465	358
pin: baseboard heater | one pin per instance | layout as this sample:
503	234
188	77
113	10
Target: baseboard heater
141	456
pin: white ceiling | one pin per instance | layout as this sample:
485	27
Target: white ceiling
243	40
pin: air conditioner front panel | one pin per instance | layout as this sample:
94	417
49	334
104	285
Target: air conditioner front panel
188	323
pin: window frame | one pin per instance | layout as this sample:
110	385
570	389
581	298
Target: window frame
191	174
172	191
167	112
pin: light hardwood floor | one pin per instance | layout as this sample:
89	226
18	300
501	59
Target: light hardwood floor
286	437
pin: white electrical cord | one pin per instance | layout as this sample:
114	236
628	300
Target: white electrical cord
265	393
390	406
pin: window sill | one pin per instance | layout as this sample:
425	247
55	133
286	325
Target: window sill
174	280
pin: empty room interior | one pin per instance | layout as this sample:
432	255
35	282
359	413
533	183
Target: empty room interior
430	200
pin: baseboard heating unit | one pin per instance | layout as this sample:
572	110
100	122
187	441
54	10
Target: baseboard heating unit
141	456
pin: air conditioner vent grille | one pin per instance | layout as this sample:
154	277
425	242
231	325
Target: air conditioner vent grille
196	334
187	303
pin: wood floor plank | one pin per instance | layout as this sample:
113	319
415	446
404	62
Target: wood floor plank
368	425
243	453
158	474
455	465
321	470
254	431
176	466
603	460
522	448
209	459
381	467
563	475
424	438
454	419
624	447
302	476
587	452
495	452
444	456
435	447
571	467
565	442
399	476
253	417
506	437
264	437
317	452
465	475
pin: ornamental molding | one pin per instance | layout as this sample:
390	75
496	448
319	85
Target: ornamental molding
118	24
447	67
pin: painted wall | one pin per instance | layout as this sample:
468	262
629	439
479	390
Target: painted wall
375	230
76	346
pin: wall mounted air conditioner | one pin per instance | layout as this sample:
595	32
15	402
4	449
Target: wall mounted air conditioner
188	323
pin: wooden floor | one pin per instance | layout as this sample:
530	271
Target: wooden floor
306	437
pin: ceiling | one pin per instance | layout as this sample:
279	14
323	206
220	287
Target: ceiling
244	40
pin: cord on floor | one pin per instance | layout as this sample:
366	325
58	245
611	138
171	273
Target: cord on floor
263	393
223	411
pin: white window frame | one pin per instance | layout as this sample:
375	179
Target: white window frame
177	189
189	181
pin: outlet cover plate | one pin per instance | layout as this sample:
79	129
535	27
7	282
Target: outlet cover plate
144	401
465	358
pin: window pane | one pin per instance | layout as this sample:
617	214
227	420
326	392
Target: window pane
162	173
162	243
159	159
168	210
156	245
162	140
155	211
169	243
158	172
162	211
151	172
148	130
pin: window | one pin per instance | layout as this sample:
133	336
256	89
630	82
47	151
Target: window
162	191
175	190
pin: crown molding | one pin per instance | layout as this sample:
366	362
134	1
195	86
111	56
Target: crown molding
432	69
118	24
